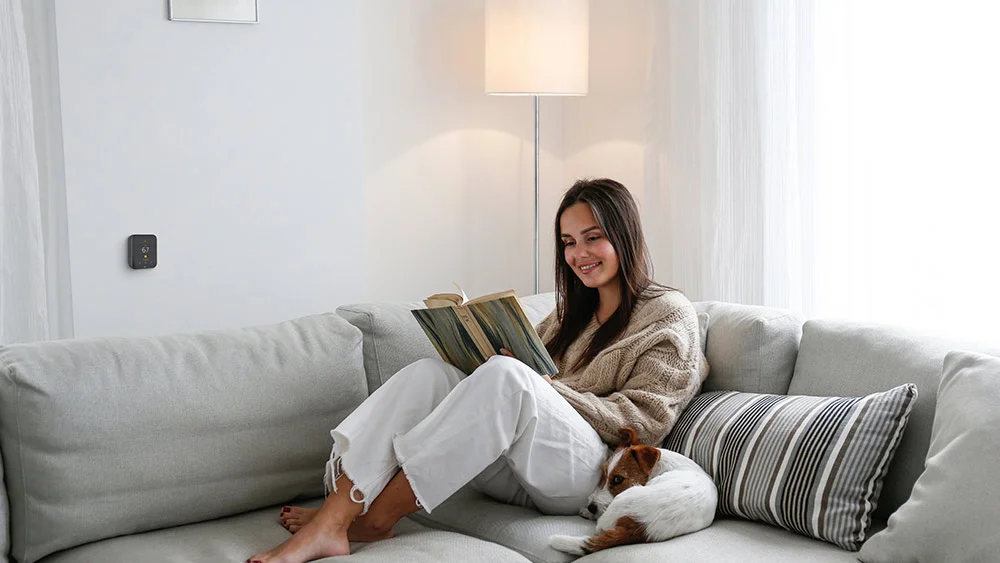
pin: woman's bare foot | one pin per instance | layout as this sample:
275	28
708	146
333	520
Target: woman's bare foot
316	540
324	536
293	518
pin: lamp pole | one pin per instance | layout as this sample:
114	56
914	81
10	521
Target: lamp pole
536	194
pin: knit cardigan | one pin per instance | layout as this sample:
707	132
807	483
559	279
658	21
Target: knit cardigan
644	378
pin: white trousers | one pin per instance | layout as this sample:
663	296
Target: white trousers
503	429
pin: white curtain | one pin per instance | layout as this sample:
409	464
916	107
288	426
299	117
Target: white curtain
836	158
35	296
23	296
729	174
908	134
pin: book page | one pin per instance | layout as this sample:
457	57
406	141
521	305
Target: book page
505	324
493	296
443	300
447	299
450	338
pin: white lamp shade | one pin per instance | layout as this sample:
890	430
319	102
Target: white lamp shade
537	47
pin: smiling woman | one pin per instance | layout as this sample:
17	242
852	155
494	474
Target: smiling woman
628	354
599	234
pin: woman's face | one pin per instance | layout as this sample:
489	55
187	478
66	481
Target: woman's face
588	251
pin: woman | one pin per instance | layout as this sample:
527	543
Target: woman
628	354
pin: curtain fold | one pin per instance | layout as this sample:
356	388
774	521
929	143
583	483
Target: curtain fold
835	158
23	294
729	163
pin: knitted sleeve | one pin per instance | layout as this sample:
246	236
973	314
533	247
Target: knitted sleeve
546	324
659	387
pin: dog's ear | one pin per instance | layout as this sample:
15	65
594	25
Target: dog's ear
628	437
646	457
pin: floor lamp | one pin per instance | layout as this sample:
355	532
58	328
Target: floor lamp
537	48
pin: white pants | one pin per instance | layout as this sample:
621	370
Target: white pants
504	429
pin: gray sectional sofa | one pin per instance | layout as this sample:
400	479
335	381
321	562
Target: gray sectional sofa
183	447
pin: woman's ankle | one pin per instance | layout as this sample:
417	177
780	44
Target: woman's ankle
341	508
372	527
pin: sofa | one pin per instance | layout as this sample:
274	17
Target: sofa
184	447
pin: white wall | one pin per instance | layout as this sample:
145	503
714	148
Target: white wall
336	152
449	170
235	144
605	132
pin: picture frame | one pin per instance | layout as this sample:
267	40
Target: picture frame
215	11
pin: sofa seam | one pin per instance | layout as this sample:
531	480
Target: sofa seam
374	347
431	523
9	371
760	339
378	364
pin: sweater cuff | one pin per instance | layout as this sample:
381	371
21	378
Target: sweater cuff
563	389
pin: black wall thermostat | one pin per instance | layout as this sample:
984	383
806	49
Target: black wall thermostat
142	252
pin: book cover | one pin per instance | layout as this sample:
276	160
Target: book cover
467	333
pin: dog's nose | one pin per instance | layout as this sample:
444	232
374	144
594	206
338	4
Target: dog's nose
592	507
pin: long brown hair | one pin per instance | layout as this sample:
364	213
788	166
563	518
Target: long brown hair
618	217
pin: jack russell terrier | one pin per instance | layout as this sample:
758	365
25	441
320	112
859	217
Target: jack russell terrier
646	494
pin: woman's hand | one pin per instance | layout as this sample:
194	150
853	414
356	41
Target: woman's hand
510	354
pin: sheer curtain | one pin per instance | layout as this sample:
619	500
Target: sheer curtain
23	300
835	158
908	133
35	302
729	178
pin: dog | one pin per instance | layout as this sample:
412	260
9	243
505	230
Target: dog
646	494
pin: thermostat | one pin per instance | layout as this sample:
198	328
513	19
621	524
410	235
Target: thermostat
142	252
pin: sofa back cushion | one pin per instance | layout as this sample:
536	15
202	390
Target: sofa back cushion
750	348
113	436
843	358
393	339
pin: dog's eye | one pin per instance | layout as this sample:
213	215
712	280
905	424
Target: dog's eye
617	480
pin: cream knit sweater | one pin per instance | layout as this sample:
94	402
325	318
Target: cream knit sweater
644	379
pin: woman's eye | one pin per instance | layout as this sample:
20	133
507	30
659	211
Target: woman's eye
570	243
617	480
593	238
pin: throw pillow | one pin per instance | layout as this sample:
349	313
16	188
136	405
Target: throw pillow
952	513
812	465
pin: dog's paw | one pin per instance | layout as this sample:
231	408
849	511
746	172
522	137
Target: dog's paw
568	544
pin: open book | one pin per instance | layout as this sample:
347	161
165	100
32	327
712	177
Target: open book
467	332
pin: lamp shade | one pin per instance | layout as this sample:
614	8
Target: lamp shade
537	47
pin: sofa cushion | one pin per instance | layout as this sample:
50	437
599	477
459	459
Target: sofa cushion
527	532
750	348
843	358
812	465
4	518
953	512
521	529
703	320
729	541
393	339
111	436
238	537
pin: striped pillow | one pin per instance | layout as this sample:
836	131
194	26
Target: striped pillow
812	465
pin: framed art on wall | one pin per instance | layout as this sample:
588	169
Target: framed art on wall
222	11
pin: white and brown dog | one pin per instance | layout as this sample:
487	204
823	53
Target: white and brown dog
646	494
